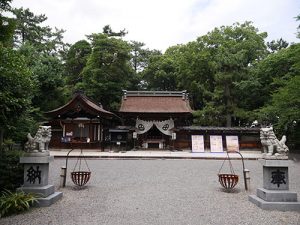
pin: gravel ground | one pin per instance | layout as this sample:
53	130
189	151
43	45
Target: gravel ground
158	192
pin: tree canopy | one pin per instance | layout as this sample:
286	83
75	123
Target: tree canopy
232	74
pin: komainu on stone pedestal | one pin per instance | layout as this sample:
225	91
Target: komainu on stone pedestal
270	143
40	142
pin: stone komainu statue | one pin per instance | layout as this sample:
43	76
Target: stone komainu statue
271	144
40	142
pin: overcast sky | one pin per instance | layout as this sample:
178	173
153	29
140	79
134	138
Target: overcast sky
164	23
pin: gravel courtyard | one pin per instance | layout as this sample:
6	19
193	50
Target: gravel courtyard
158	192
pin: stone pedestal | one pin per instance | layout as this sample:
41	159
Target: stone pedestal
36	173
275	194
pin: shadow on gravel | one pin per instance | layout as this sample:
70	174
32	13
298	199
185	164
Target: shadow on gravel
76	188
232	191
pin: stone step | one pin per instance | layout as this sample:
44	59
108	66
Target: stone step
44	202
276	196
280	206
44	191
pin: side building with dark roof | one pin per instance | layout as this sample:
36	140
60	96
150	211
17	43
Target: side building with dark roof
80	123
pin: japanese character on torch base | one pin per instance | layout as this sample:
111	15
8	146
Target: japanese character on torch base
36	171
275	194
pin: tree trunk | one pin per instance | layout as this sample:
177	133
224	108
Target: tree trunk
228	105
1	137
228	120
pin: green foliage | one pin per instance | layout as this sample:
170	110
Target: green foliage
48	74
15	202
48	71
7	25
108	70
274	71
11	171
5	5
28	122
29	29
8	144
16	88
44	50
232	75
140	56
109	32
161	73
285	104
76	60
283	111
275	46
213	67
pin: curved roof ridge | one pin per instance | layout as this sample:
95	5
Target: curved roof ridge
82	98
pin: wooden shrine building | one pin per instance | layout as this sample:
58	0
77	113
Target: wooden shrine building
163	119
155	116
81	123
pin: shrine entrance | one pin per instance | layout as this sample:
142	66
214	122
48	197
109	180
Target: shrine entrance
154	139
155	118
154	134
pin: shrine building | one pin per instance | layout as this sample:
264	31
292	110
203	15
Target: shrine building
146	120
163	120
81	123
155	116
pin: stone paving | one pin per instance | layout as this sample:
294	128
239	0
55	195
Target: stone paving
182	191
156	154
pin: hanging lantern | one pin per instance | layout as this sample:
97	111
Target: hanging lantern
80	178
228	180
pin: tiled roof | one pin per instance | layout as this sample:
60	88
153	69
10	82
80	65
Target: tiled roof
155	104
203	128
81	100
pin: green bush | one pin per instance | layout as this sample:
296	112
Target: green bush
11	171
15	202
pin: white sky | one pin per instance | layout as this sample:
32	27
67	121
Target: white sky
164	23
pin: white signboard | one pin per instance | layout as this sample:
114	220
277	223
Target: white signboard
232	143
197	143
216	144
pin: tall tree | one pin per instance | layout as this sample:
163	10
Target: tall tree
16	88
160	75
7	25
44	50
273	72
76	60
279	75
140	56
108	70
29	28
234	49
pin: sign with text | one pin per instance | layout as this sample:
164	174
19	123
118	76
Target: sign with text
197	143
232	143
216	144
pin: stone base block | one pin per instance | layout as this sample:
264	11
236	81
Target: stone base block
281	206
43	191
44	202
36	159
276	195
